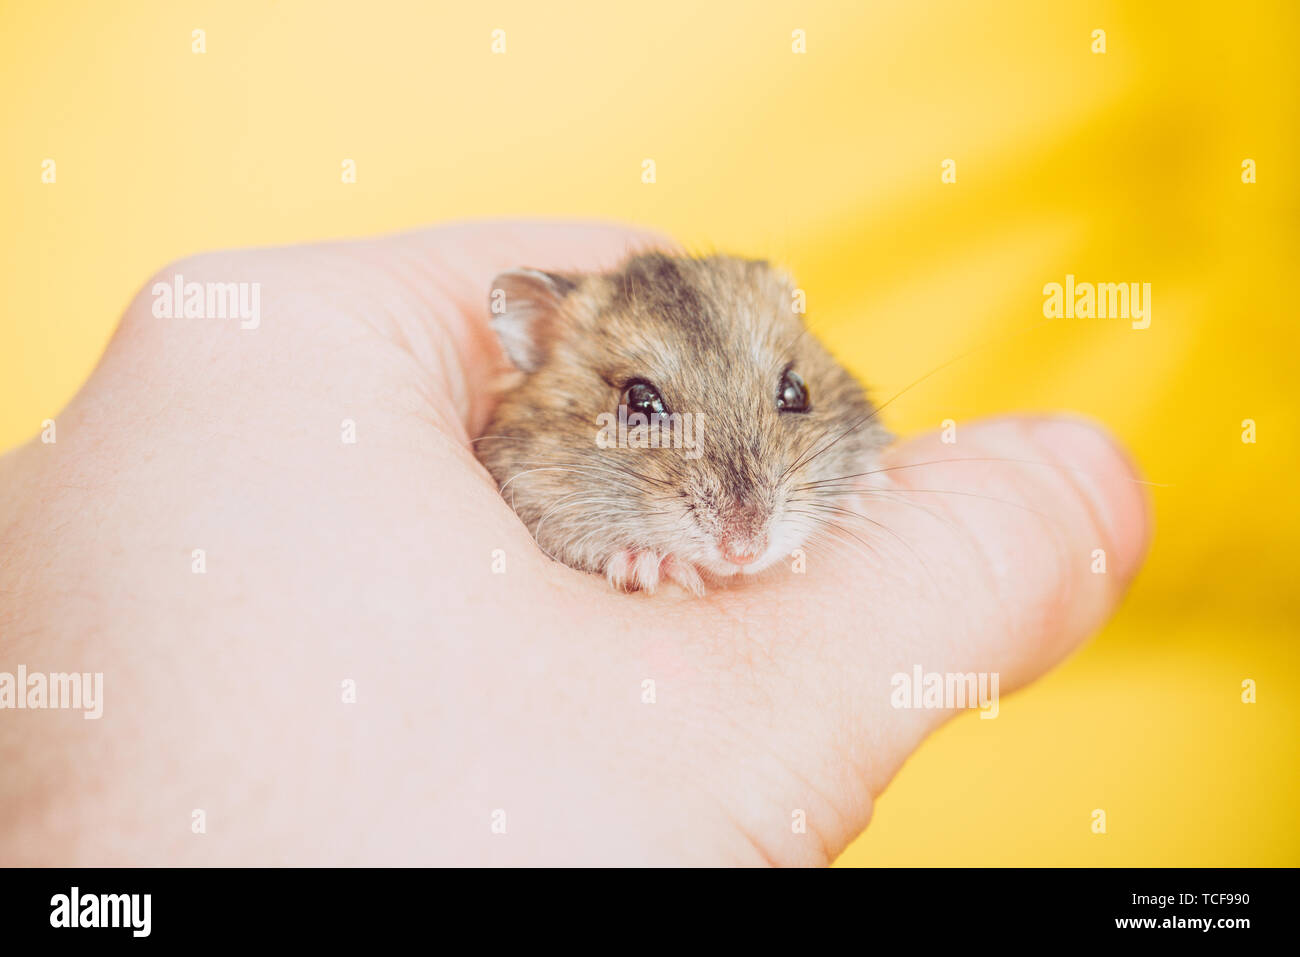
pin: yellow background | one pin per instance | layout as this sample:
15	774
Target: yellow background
1122	166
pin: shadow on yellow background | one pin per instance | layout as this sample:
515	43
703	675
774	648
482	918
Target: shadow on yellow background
1122	166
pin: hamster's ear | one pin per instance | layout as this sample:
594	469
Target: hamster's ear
526	313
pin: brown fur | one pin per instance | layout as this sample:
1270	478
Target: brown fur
714	335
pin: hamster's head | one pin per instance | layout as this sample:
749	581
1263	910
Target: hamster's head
673	407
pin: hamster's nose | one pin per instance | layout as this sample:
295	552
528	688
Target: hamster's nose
743	551
743	537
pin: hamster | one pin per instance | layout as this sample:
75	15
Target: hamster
669	419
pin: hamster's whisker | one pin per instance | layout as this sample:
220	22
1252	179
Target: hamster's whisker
843	550
568	499
867	490
574	546
824	525
848	492
578	469
606	467
928	511
850	513
964	494
785	350
603	499
544	468
805	459
513	438
802	453
907	388
917	465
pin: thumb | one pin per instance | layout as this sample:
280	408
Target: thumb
1023	534
1051	519
996	554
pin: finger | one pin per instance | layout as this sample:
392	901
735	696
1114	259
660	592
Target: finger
1001	576
459	263
1052	520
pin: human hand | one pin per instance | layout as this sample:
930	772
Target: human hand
476	693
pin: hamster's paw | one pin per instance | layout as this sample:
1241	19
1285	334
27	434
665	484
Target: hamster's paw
684	574
640	570
630	570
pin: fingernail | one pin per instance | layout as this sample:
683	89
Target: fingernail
1106	476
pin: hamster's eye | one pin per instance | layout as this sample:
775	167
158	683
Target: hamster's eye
792	396
644	398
